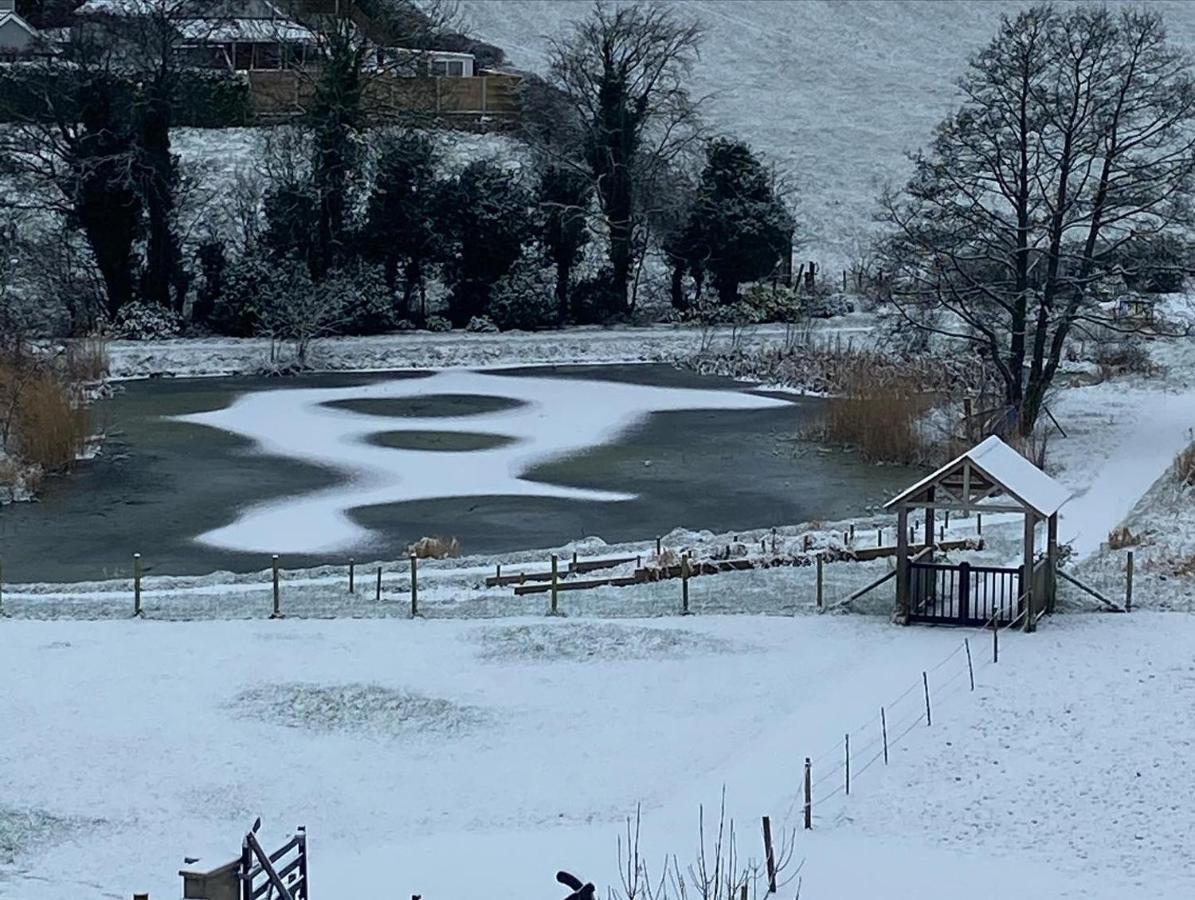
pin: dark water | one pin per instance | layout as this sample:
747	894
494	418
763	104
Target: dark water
160	483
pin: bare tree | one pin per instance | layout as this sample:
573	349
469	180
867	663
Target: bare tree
624	73
1076	138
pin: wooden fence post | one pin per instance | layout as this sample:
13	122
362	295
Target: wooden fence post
555	610
351	573
414	585
1128	584
820	596
770	853
141	897
847	739
684	584
851	539
277	613
659	547
879	537
808	794
773	541
1	589
979	524
995	639
925	682
884	733
378	591
137	584
970	668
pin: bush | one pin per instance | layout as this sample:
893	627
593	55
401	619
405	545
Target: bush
595	300
145	322
1125	356
362	293
1155	265
775	304
438	323
1184	466
481	325
523	298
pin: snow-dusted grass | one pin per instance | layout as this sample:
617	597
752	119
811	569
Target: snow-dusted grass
169	738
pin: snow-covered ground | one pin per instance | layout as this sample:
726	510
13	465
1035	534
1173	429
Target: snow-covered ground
433	757
426	350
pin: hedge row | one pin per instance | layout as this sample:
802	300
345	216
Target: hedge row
204	99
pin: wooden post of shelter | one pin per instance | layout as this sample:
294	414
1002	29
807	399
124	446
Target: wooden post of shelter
1031	598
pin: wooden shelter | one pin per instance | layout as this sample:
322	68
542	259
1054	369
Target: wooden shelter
994	478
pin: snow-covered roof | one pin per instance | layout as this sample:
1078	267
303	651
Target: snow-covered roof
1007	470
258	31
11	17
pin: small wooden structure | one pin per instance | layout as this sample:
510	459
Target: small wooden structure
990	477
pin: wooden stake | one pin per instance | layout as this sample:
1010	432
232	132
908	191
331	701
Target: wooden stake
137	584
970	668
820	596
879	537
947	512
684	585
498	570
1128	584
743	891
277	613
995	639
1	588
414	586
848	764
979	523
352	573
851	539
141	897
555	586
884	733
659	547
808	794
378	591
925	682
773	541
770	853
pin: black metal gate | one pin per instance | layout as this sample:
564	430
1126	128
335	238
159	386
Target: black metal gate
964	594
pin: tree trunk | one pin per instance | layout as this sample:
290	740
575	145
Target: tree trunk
161	245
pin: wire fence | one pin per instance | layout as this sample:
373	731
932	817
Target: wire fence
836	769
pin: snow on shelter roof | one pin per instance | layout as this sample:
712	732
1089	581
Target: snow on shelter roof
1008	470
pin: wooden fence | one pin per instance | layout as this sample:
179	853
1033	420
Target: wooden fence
282	94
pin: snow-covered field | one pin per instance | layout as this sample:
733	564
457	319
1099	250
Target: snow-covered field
433	757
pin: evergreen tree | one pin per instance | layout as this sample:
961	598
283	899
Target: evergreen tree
563	196
404	201
487	220
739	227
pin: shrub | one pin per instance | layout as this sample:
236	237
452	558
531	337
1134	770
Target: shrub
481	325
85	361
438	323
1122	357
1155	265
523	298
435	548
145	322
595	300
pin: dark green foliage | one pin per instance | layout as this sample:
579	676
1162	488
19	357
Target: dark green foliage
564	196
487	220
738	227
212	260
1155	265
404	202
597	299
523	298
202	98
247	286
290	222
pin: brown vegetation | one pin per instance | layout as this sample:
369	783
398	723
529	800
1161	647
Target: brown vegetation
881	416
1119	538
435	548
44	420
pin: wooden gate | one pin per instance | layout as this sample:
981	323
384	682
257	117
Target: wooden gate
964	594
281	875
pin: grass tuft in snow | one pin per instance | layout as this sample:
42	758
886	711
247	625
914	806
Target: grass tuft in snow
353	708
583	641
24	830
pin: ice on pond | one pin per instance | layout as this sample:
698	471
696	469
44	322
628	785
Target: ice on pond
537	420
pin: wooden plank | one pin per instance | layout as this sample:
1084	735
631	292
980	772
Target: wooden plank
1098	596
594	565
518	578
621	581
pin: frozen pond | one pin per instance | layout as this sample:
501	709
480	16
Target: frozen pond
206	474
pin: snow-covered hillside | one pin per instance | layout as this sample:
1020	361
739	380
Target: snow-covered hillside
834	91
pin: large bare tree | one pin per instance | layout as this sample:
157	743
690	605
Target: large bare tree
1076	139
624	71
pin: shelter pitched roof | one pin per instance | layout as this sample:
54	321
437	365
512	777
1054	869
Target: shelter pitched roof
1006	470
